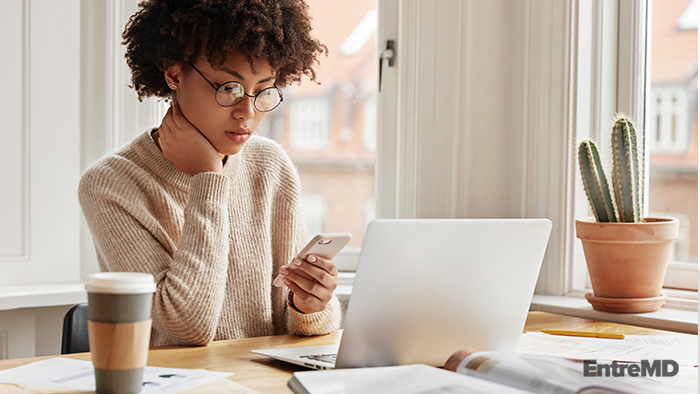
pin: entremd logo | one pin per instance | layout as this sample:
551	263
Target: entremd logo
655	368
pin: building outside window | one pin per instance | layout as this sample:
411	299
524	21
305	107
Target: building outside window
670	120
309	123
314	208
328	128
673	120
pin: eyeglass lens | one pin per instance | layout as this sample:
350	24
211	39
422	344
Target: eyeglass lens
232	93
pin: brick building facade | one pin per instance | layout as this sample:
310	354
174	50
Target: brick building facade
673	125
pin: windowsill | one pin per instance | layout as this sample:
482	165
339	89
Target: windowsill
43	295
35	296
669	319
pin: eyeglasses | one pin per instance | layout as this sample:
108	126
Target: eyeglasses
232	93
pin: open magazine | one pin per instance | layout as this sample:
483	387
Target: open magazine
556	375
487	372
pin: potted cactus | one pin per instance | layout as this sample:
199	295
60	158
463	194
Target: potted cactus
626	253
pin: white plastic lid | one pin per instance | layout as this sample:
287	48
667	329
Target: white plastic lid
120	283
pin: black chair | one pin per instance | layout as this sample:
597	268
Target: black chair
75	330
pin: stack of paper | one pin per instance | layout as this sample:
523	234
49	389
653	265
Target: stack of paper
79	376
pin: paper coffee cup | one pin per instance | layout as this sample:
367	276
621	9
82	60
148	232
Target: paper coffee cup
119	327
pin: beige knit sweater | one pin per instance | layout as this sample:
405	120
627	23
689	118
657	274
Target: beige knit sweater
213	242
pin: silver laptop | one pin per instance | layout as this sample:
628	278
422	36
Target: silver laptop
425	288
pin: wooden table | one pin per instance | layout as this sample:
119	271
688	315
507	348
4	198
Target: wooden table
270	376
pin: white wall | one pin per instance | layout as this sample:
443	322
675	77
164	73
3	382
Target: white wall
40	151
65	104
111	113
40	161
29	332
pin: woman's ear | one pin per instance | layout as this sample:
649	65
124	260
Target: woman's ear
173	76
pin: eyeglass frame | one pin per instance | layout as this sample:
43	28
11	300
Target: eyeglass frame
253	96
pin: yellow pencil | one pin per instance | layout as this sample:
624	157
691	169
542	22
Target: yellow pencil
610	335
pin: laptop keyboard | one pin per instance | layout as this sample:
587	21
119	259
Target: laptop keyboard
329	358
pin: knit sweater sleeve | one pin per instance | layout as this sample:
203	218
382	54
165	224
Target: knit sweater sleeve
191	277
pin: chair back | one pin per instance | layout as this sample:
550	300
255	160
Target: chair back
75	330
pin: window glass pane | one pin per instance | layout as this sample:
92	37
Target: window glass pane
673	120
314	208
329	129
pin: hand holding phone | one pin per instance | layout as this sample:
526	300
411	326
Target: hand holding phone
324	245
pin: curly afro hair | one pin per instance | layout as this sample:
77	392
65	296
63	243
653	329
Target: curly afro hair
164	33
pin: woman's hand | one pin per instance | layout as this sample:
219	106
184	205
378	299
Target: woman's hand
312	281
185	146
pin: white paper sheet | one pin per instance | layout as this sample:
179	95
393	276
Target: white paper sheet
79	375
405	379
681	348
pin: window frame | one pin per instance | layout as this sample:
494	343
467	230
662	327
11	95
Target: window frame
613	25
586	87
635	24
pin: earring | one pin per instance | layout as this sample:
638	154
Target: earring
173	87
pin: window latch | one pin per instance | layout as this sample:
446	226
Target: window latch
388	55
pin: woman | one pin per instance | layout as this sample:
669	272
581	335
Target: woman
207	207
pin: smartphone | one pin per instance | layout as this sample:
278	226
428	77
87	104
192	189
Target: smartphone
324	245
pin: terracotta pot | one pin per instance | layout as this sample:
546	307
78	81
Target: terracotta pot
627	260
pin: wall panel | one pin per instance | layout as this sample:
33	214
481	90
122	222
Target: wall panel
13	111
40	153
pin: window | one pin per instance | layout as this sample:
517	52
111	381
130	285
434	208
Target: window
309	124
681	246
473	127
673	129
689	18
669	127
327	127
660	93
314	208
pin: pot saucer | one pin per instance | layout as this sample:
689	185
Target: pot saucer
626	305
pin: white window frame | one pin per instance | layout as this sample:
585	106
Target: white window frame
573	83
633	19
633	22
369	122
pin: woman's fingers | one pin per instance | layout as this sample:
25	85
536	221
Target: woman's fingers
185	146
308	287
317	270
324	264
312	281
304	301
